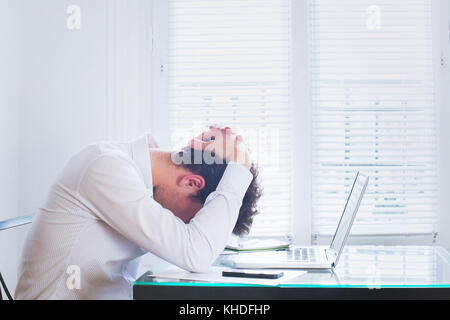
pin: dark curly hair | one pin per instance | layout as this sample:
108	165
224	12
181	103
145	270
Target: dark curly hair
212	173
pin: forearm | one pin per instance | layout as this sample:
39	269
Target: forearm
196	245
125	204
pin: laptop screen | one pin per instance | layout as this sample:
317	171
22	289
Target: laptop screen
351	207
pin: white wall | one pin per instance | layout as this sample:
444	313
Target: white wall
78	86
73	87
8	135
62	94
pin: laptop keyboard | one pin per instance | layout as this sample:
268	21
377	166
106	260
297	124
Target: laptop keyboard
302	254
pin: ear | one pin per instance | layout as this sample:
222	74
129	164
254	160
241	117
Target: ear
192	182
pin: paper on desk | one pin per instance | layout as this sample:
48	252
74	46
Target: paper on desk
215	275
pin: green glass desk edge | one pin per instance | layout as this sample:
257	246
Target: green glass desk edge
441	251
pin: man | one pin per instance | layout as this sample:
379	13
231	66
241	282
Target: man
114	202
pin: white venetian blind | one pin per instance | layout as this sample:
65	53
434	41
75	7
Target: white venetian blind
372	105
229	63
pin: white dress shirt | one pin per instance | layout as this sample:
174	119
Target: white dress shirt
100	216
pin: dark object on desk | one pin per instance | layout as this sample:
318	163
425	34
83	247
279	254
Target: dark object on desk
253	274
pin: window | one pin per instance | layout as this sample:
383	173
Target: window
372	110
229	63
367	72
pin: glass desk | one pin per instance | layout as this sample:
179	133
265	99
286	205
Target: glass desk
363	272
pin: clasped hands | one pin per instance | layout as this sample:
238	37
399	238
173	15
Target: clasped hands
224	143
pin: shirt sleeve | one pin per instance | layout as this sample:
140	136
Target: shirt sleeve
115	192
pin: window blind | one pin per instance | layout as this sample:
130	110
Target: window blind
229	63
371	84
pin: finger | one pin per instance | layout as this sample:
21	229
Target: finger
211	147
215	130
230	131
206	135
215	126
227	129
222	127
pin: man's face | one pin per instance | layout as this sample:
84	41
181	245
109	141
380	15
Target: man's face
178	190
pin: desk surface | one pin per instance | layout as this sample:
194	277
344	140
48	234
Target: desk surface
363	267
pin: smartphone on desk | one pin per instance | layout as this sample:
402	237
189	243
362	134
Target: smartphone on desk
260	274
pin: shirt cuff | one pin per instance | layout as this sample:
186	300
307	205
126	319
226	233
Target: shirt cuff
236	179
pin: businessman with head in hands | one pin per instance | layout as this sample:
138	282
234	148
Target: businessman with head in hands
114	202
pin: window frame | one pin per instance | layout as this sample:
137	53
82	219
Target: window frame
159	85
301	120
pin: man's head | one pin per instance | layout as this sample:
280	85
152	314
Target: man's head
188	183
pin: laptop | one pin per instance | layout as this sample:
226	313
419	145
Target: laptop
308	257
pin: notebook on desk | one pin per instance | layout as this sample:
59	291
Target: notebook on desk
309	257
258	245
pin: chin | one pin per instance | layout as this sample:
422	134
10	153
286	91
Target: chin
187	212
183	208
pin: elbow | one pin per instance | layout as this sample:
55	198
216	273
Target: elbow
200	251
199	258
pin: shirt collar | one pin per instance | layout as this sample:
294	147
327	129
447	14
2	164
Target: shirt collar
140	152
